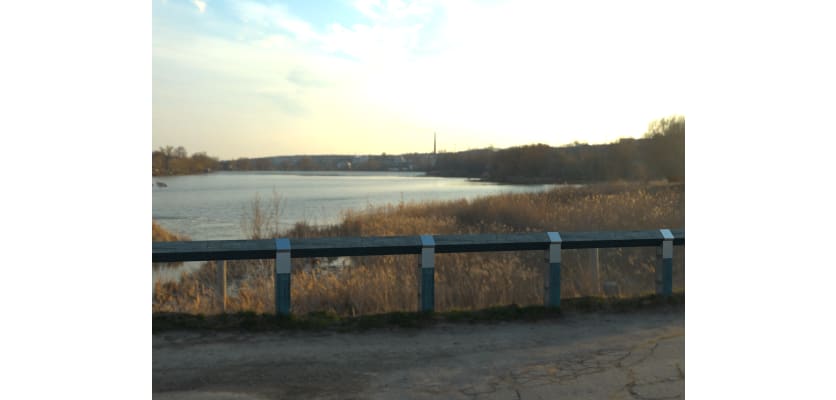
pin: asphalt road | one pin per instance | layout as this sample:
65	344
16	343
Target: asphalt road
596	356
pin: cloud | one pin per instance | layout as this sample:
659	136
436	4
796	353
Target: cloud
200	4
395	29
289	103
276	16
393	9
305	78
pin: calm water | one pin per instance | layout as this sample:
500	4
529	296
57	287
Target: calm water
212	206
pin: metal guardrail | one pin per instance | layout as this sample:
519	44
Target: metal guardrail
282	250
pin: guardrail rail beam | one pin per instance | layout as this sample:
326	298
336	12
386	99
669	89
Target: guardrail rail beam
427	246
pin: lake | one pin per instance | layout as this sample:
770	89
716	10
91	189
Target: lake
212	206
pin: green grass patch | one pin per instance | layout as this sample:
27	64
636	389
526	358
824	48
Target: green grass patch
317	321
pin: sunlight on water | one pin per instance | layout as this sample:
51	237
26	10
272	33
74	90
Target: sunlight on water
211	207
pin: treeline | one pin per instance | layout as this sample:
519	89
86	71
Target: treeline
176	161
659	155
383	162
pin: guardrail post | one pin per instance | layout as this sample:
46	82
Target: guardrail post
664	264
282	276
552	287
220	271
594	262
426	290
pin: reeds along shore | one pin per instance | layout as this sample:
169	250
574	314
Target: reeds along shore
367	285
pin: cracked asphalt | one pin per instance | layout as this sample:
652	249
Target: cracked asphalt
637	355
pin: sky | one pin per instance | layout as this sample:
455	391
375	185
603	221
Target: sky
256	78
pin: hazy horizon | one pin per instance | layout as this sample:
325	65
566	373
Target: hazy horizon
259	79
360	154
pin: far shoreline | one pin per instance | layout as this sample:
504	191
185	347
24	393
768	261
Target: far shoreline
517	180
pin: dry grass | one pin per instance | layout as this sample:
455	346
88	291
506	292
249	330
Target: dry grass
371	285
159	234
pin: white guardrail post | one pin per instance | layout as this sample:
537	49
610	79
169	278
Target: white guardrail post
664	264
552	286
426	288
282	276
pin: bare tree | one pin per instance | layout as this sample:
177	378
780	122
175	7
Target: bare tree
262	220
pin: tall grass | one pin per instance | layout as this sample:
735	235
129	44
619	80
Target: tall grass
367	285
159	234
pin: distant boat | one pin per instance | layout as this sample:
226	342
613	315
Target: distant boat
161	184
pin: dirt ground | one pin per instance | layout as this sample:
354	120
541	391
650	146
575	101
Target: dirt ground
637	355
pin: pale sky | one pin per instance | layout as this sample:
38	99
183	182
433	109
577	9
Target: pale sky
251	78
